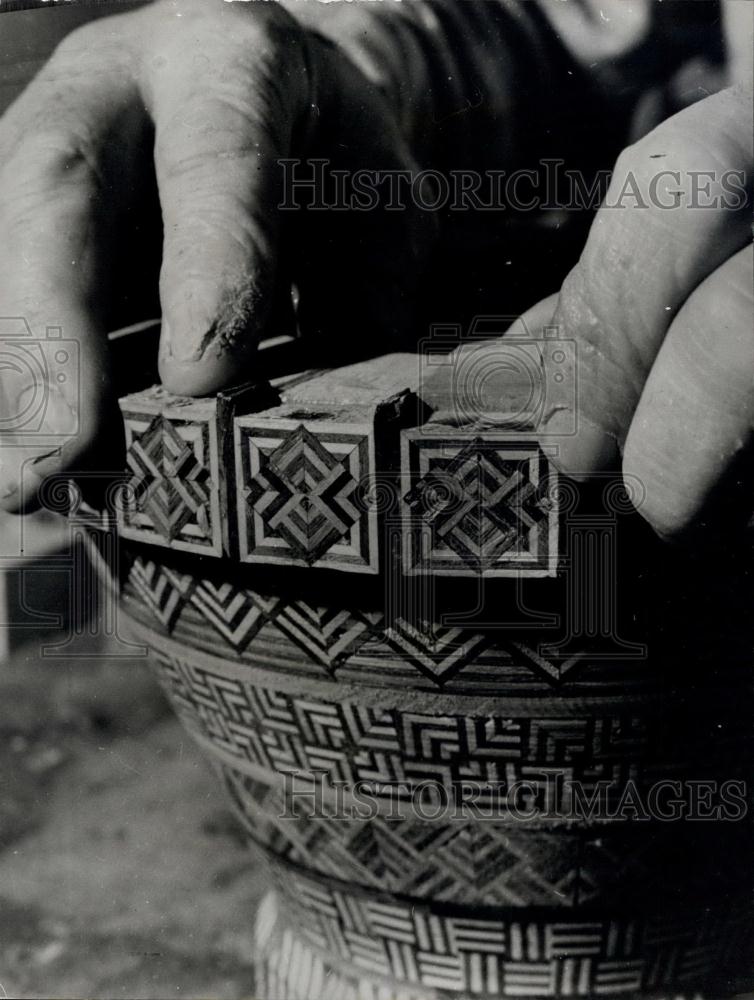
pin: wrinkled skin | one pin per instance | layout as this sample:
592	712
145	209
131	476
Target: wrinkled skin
661	309
204	99
199	100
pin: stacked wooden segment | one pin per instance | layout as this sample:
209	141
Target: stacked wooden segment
477	504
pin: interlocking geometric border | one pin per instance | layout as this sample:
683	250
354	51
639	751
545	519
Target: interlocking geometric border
474	953
267	733
173	495
301	496
477	505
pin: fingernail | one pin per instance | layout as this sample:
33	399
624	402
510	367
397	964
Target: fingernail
206	319
186	349
591	449
219	355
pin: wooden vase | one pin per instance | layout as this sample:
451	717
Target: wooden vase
428	883
475	767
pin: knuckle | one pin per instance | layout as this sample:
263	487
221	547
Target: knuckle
197	156
45	156
86	38
265	23
222	79
225	43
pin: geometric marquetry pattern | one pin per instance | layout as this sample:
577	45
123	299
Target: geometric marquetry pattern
466	862
162	589
498	954
477	506
237	614
394	751
295	970
487	863
332	636
302	499
172	495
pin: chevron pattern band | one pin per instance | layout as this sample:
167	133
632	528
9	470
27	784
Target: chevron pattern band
486	862
378	645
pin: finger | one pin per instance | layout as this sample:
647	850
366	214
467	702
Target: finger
490	382
58	212
694	423
535	319
226	95
677	207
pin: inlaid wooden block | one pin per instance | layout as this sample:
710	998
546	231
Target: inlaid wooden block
329	469
307	470
178	453
477	504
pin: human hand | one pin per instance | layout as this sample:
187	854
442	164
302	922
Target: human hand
176	116
661	309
